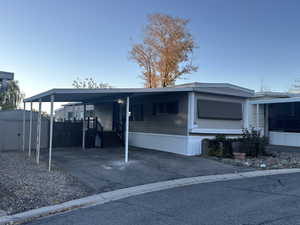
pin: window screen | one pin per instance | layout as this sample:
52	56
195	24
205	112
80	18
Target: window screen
165	108
137	112
284	117
208	109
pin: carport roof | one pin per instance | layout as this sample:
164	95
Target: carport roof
275	100
88	95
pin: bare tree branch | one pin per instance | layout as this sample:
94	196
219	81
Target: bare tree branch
89	83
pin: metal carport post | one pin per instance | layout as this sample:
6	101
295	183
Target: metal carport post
51	132
24	127
83	126
30	131
127	129
257	116
38	137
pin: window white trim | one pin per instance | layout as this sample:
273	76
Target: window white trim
191	110
216	131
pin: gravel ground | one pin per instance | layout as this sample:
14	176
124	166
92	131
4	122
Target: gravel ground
278	160
24	185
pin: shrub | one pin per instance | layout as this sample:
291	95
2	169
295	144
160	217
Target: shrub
220	146
253	143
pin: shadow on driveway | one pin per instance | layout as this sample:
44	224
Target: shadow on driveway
105	169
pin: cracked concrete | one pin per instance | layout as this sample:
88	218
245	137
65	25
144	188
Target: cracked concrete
254	201
104	169
117	195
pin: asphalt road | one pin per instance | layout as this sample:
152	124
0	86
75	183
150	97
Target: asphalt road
255	201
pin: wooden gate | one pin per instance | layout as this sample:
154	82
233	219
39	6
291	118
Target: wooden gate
67	134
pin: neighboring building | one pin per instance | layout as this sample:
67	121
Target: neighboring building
4	78
277	115
73	111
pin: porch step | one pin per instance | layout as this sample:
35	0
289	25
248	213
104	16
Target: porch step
111	139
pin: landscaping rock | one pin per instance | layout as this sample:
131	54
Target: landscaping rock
24	185
275	160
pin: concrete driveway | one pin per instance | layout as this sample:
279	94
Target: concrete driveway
105	170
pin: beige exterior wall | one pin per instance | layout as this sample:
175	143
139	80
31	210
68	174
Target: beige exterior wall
163	124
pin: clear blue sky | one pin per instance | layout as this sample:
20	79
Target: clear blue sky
51	42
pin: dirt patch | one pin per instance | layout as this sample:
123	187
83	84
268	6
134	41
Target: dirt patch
24	185
276	160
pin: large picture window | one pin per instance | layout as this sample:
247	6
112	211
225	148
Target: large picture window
284	117
208	109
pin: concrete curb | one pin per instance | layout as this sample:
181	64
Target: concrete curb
105	197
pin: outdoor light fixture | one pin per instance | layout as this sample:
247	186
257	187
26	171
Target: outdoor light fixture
120	101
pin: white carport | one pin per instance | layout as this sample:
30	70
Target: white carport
86	96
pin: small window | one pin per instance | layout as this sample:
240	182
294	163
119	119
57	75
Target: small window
165	108
137	112
70	115
172	107
90	113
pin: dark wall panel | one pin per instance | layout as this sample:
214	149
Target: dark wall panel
208	109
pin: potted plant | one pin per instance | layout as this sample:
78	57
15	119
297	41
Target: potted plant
237	150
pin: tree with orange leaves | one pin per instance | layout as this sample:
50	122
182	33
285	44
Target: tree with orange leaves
166	50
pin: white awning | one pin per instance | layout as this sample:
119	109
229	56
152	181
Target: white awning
275	100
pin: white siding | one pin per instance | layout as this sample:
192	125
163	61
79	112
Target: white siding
284	138
179	144
260	116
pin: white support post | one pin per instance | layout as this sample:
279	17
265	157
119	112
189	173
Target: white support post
246	108
51	132
191	111
83	126
127	129
257	116
30	131
266	130
24	124
74	113
38	139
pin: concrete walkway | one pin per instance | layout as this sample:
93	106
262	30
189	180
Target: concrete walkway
104	169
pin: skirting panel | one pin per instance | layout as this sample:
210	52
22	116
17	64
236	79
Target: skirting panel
284	138
179	144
